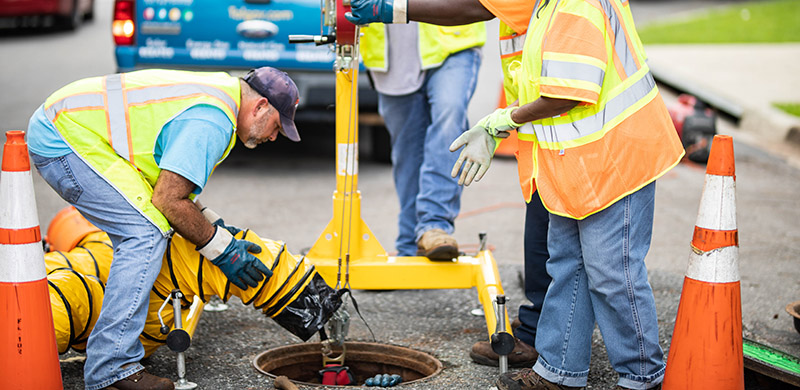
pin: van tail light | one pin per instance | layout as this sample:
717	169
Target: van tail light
123	26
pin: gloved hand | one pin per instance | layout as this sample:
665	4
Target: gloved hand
215	219
383	11
477	155
499	122
234	259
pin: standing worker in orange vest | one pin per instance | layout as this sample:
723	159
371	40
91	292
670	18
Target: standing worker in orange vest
596	136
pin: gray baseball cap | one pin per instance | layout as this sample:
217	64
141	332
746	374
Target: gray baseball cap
282	93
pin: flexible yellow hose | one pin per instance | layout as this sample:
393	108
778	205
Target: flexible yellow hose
77	279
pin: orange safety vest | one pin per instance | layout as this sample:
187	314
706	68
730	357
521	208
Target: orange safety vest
620	138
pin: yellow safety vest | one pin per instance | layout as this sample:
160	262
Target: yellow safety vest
621	137
511	45
436	43
113	122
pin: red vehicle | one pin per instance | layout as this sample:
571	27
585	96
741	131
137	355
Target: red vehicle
45	13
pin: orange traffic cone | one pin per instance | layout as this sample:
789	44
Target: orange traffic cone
27	339
706	349
508	146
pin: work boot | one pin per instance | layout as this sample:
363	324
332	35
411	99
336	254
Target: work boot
435	244
527	379
515	324
142	380
625	388
523	355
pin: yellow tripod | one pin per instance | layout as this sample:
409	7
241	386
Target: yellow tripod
347	254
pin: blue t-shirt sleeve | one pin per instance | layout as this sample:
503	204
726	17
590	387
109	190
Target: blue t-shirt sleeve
192	143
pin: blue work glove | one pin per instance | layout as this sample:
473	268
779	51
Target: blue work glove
383	11
234	259
215	219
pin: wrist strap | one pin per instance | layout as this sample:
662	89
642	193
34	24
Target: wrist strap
510	119
218	243
210	215
400	11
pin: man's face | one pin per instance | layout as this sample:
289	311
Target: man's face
265	126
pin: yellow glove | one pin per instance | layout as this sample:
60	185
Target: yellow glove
499	121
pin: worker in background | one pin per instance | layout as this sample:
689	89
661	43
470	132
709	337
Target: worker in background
535	234
425	76
601	136
130	151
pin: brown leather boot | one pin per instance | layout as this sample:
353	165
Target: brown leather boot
523	355
527	379
435	244
142	380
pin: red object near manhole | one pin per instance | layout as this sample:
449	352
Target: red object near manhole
301	363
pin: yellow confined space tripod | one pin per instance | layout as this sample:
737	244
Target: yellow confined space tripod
347	254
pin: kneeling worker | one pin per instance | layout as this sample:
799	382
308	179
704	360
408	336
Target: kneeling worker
130	151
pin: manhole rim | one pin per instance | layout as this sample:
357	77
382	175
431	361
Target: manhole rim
438	366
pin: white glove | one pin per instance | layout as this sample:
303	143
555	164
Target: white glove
479	147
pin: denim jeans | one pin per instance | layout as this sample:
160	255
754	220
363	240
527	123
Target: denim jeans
421	126
138	249
536	277
598	271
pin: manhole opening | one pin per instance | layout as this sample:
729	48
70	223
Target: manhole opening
301	362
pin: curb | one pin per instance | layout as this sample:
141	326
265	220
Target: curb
766	122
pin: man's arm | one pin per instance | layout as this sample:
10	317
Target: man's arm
543	107
441	12
448	12
171	197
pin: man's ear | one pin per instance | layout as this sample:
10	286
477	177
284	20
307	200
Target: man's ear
261	103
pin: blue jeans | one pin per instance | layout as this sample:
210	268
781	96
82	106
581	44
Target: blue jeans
138	249
536	277
598	271
421	126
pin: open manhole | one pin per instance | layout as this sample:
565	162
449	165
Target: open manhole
301	362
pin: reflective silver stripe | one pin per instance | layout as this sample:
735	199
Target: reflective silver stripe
586	126
620	40
513	45
74	102
117	114
143	95
572	71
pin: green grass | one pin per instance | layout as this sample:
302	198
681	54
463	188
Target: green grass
755	22
790	108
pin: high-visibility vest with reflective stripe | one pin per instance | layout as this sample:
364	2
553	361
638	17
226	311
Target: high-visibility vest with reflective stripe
595	154
121	115
436	43
511	45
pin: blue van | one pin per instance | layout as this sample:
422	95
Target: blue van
235	36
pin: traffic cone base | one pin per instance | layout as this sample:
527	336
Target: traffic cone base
28	347
710	354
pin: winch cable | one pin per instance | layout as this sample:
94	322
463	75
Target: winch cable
350	161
